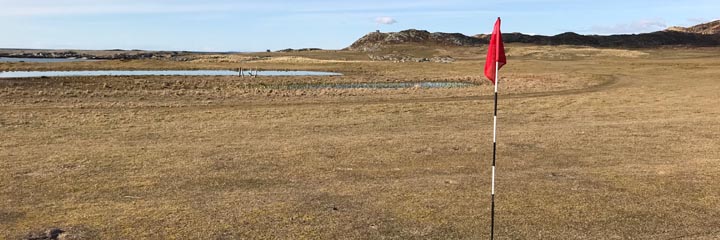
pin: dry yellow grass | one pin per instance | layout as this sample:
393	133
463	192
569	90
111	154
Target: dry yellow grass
239	59
596	148
294	59
571	52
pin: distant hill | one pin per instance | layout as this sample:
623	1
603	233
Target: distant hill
376	40
702	35
705	28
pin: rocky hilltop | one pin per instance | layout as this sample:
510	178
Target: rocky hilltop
376	40
705	28
702	35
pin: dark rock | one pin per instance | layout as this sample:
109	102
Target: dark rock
66	233
51	233
404	58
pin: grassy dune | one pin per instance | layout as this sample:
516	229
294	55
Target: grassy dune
593	144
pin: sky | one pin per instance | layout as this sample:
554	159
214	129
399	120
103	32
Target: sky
225	25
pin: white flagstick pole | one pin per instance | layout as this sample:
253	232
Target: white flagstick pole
492	206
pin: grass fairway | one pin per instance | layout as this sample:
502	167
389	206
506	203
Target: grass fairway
591	146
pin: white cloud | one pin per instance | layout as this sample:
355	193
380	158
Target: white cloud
641	26
385	20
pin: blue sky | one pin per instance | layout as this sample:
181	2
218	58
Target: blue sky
224	25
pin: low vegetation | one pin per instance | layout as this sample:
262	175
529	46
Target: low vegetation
593	144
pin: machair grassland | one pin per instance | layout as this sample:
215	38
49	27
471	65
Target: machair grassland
593	144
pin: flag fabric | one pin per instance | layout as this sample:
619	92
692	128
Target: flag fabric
496	53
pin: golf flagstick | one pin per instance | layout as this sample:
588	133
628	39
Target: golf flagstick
492	192
495	60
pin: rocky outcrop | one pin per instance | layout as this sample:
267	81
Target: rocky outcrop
67	54
376	40
287	50
705	28
404	58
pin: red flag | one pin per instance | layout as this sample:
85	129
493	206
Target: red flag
496	53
